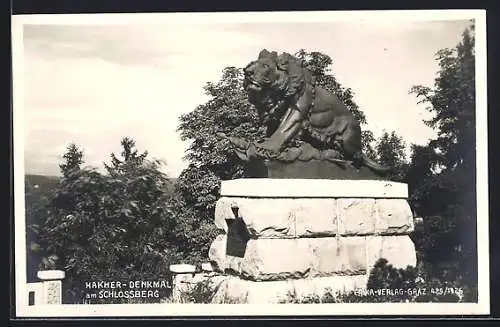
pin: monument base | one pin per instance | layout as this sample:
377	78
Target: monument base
267	259
313	169
286	240
240	291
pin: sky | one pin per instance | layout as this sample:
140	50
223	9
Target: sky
94	84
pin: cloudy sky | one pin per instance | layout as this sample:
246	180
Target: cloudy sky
93	84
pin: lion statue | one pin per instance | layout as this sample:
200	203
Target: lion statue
292	106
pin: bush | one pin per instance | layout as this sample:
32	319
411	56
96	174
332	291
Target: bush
388	284
115	226
199	292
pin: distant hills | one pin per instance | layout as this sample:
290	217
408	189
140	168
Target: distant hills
49	182
43	182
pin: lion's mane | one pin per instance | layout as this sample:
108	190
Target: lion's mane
289	86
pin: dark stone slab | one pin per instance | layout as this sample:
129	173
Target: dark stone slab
313	169
237	237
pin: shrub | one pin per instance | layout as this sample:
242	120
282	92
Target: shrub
115	226
199	292
389	284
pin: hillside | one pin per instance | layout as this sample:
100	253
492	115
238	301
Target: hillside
44	182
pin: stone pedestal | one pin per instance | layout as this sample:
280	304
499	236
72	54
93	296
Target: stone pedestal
307	236
51	286
309	169
181	276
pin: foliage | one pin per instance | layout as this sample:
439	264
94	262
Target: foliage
211	159
389	284
390	149
193	233
38	190
73	160
441	176
199	292
38	196
111	227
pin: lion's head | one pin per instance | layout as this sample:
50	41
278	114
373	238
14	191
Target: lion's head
262	73
273	79
281	74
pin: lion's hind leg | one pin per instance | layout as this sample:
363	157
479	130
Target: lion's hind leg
350	142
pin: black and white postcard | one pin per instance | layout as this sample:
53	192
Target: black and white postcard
286	163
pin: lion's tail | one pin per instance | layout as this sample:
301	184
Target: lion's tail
375	166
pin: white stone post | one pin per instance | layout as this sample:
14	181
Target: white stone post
207	267
182	273
51	286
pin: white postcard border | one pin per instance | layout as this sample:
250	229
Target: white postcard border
155	310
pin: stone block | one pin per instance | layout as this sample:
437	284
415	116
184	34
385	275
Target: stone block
207	266
223	211
217	253
183	286
236	290
301	229
52	292
51	274
356	216
233	264
271	259
279	259
268	218
182	268
342	256
315	217
393	216
279	218
398	250
312	188
51	286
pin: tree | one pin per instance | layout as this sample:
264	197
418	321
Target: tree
130	159
37	196
115	226
211	159
139	192
442	174
73	159
38	200
452	100
390	149
193	233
